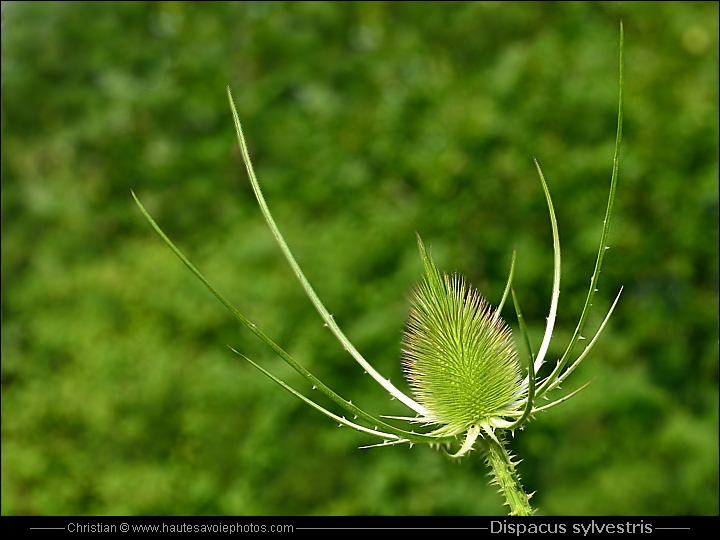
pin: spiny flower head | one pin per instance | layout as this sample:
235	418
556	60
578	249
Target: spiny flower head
458	354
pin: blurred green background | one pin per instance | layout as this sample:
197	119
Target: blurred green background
366	122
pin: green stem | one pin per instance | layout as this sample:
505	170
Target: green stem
506	477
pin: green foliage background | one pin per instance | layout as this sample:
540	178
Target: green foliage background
366	122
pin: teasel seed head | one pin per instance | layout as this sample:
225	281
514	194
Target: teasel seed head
458	354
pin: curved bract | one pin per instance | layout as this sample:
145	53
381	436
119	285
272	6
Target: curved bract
458	353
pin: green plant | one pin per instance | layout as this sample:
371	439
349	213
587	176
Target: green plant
459	355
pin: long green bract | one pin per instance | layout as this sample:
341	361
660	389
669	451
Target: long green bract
324	313
556	276
530	398
549	382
